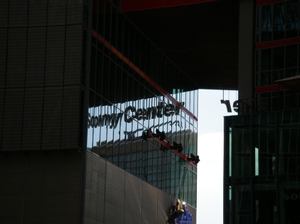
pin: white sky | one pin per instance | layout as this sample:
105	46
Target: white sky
210	151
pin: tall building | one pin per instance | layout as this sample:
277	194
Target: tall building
81	91
262	150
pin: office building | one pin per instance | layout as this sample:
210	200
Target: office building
80	86
262	151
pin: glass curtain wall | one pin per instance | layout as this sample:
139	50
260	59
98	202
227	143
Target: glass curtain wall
277	21
133	88
277	53
262	167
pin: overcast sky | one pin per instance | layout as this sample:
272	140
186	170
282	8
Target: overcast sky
210	151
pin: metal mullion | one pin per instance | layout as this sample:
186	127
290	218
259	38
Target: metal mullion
285	20
94	92
107	107
109	23
102	70
277	166
233	174
84	114
121	77
127	92
252	172
225	168
139	79
132	53
114	90
109	71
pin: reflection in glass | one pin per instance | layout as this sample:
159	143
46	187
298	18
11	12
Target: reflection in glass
266	23
272	193
279	21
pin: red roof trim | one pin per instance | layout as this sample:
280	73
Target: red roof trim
263	2
138	5
278	43
263	89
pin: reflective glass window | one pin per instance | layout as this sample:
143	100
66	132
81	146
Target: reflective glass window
289	200
279	21
265	203
271	193
291	56
266	59
128	97
266	23
278	58
292	26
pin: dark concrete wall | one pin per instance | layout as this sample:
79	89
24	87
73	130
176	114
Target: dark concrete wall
39	187
40	74
246	46
115	196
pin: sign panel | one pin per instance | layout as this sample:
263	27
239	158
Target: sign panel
127	121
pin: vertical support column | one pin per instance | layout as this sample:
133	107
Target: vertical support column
246	48
86	106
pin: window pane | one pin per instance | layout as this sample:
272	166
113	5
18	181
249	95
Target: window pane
292	19
278	58
291	56
278	75
265	59
266	23
278	21
265	203
279	15
266	78
292	11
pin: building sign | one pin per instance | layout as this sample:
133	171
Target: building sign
235	105
293	197
130	113
128	120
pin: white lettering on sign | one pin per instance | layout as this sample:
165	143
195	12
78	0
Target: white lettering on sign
293	197
131	113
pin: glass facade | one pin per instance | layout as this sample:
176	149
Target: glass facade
277	21
277	54
262	168
262	151
133	88
277	63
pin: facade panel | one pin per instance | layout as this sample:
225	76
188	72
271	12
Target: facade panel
41	75
40	187
127	200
